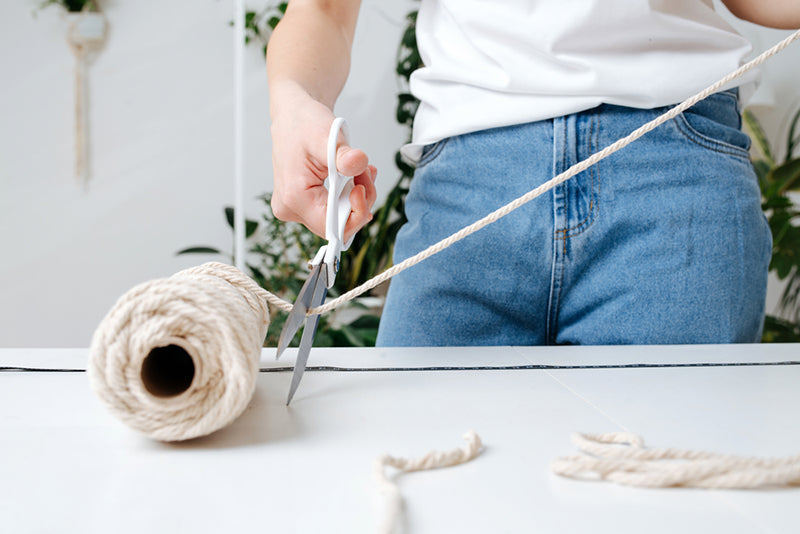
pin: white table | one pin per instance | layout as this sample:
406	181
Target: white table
68	466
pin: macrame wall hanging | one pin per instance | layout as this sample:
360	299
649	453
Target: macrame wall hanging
86	35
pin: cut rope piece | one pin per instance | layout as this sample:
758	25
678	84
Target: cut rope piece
622	458
177	358
391	516
524	199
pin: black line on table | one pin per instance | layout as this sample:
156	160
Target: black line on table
527	367
16	369
530	367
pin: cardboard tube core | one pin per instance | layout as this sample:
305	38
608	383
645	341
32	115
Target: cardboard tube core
167	371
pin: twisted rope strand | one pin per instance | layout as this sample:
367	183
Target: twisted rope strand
278	302
621	458
391	518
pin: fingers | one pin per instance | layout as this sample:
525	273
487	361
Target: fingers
362	198
306	206
360	214
355	163
300	163
313	202
351	161
367	179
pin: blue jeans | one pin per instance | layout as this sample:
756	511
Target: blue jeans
662	242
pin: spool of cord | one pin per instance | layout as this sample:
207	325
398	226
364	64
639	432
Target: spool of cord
177	358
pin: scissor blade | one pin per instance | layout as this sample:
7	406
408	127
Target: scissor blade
320	291
298	313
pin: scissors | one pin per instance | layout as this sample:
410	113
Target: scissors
325	264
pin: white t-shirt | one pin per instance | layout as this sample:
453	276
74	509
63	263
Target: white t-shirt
491	63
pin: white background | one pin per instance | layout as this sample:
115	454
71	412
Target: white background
161	134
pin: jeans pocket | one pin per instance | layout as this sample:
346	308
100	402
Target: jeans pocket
715	123
430	152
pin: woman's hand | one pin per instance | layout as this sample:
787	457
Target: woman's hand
307	62
299	159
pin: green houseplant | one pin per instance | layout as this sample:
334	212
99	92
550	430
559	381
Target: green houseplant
258	25
780	182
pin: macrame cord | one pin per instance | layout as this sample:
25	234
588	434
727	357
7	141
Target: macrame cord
621	457
391	511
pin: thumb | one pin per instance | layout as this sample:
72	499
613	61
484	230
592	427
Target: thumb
351	161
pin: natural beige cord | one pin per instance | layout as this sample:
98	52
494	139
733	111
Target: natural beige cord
621	457
391	514
177	358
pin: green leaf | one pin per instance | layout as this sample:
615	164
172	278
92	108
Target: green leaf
199	250
323	338
786	177
407	105
758	135
778	330
401	164
782	266
366	321
250	226
791	141
762	169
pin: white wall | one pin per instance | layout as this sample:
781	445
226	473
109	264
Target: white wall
162	156
161	126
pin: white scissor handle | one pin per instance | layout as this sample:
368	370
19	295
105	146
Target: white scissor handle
339	188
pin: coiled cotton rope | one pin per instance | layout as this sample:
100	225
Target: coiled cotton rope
177	358
622	458
391	511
